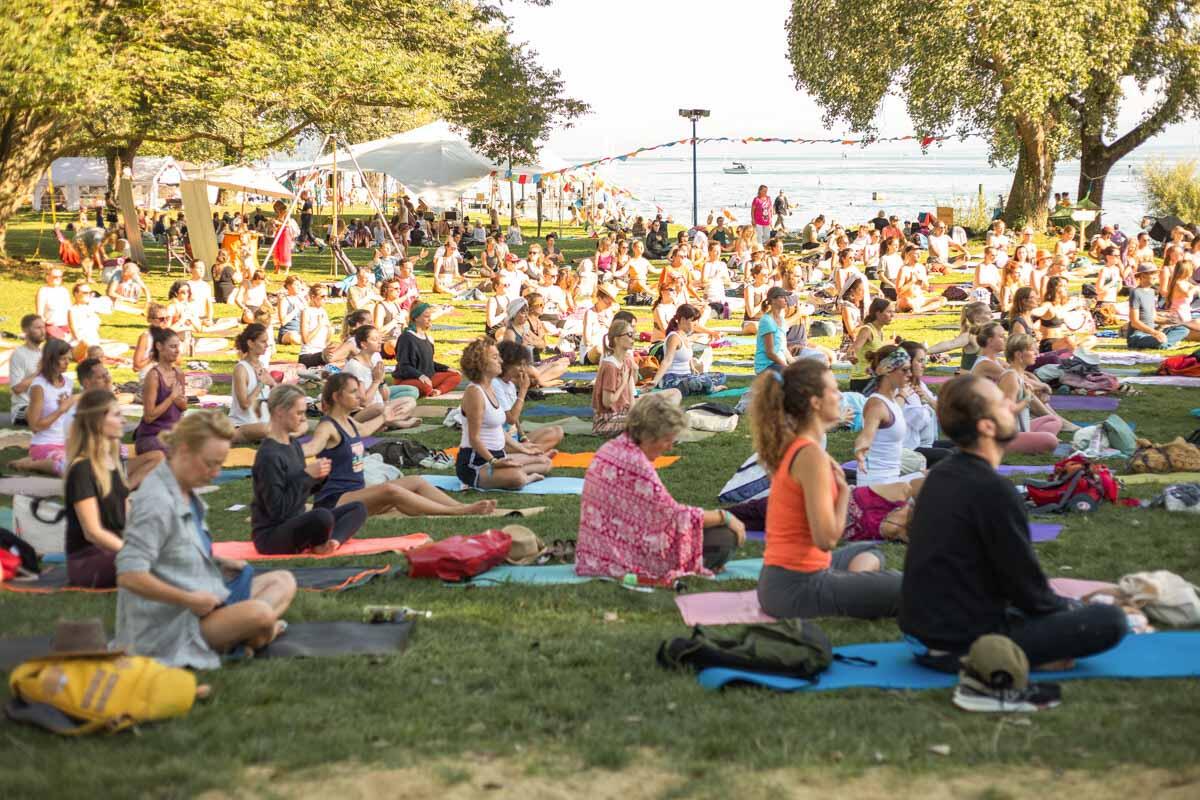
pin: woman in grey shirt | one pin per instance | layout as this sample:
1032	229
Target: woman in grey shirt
177	602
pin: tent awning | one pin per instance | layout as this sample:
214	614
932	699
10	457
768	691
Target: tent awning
242	179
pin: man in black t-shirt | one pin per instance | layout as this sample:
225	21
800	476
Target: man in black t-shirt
970	568
881	221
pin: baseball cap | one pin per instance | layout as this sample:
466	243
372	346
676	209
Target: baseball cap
997	662
1146	267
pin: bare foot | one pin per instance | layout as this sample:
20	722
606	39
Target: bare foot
435	393
328	547
482	507
203	691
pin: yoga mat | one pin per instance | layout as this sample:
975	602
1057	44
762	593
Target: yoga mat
563	574
1044	531
1075	402
570	425
737	391
935	379
384	435
355	547
499	513
1003	469
721	608
1147	655
316	639
579	376
12	438
236	474
31	486
1163	380
1076	588
312	579
581	460
1152	477
430	412
552	485
554	411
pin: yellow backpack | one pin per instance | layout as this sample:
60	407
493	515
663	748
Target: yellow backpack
73	696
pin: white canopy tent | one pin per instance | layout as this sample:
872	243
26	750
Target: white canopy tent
75	176
250	180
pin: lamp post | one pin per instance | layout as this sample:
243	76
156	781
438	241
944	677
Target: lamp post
694	114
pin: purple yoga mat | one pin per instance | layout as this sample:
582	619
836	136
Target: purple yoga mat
367	441
1003	469
1076	402
937	378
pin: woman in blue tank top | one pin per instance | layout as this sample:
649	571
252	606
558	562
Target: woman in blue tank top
339	439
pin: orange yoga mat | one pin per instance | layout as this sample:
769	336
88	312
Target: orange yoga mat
582	460
354	547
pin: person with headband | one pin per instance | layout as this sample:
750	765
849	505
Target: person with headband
878	446
283	483
176	601
805	572
414	357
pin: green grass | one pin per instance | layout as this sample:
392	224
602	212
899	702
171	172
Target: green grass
536	674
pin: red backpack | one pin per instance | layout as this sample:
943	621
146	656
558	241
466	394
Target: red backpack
459	557
1187	366
1076	485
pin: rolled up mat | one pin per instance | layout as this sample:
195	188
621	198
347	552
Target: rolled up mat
312	579
355	547
1075	402
318	639
235	474
1147	655
552	485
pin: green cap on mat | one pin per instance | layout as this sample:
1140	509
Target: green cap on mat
998	662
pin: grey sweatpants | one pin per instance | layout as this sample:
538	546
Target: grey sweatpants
833	592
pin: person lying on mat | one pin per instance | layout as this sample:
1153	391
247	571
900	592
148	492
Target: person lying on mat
50	401
488	457
251	383
367	365
96	490
511	388
805	573
628	521
414	357
339	439
176	601
164	392
970	568
283	483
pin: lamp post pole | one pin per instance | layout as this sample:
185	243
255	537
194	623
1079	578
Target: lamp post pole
694	114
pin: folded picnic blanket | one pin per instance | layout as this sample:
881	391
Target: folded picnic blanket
355	547
312	579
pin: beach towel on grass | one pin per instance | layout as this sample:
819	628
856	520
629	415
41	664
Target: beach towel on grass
553	485
1147	655
355	547
312	579
581	460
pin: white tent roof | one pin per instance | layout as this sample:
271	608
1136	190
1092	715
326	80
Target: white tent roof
94	171
242	179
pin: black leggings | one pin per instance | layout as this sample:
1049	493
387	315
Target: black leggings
311	529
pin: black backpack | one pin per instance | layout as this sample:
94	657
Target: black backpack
404	454
796	648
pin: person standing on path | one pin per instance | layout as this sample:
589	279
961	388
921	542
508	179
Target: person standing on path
782	210
760	215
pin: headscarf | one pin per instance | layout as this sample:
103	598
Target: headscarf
417	310
897	359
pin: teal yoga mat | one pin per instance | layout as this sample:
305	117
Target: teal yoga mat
563	574
1146	655
553	485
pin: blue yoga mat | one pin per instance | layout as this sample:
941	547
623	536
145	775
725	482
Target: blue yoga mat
552	485
235	474
736	391
1146	655
6	517
560	574
579	376
557	411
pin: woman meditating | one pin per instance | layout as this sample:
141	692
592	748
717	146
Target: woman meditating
678	368
920	408
251	384
96	491
181	315
803	574
520	330
1037	435
877	449
83	321
389	317
754	295
176	601
315	328
770	343
339	438
511	388
488	457
867	340
596	321
251	296
990	339
367	365
616	382
283	483
48	414
164	393
628	521
414	357
291	303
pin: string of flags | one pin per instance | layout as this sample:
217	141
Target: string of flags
523	177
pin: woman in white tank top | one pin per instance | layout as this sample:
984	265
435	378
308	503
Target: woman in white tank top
251	384
878	446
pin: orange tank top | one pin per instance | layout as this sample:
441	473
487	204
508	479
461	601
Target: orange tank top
789	540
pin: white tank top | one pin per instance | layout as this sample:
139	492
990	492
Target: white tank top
491	427
52	397
247	416
681	362
883	459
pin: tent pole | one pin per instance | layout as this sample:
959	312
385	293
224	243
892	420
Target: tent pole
292	204
334	234
374	204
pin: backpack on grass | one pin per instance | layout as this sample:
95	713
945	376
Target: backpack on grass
1076	485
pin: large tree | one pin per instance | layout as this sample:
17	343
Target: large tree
515	104
1164	63
997	70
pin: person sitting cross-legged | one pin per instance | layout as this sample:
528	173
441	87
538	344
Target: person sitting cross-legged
970	568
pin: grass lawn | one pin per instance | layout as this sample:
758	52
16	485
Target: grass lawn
542	688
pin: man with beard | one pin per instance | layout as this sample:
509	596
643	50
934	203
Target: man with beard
23	367
970	569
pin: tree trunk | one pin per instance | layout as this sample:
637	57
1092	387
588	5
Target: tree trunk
1094	166
1029	198
29	143
118	159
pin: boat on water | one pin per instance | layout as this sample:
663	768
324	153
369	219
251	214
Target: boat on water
737	168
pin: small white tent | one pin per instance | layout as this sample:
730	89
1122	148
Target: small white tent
77	176
251	180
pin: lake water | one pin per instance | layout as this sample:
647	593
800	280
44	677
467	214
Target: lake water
839	180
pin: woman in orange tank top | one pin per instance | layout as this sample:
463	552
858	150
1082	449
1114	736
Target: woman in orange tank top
804	573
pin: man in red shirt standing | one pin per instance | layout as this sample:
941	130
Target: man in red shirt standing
760	215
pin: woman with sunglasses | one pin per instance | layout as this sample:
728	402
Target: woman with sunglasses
877	449
616	381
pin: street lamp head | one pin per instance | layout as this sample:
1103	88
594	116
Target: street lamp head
693	113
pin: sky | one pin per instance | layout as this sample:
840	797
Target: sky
626	58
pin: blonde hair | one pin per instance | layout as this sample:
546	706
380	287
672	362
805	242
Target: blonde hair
194	430
86	441
619	327
1017	343
973	316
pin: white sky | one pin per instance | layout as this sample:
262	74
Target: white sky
624	57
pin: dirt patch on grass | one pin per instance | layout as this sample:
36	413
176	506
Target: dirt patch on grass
516	778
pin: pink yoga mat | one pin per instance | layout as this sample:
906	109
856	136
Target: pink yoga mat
354	547
937	378
1076	588
1075	402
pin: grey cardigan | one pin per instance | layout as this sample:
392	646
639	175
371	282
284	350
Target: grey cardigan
161	539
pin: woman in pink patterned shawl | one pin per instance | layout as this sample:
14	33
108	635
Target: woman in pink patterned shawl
628	521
